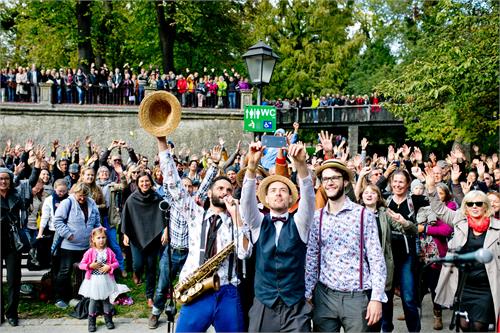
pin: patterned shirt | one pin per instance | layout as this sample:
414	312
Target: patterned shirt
183	207
101	258
340	241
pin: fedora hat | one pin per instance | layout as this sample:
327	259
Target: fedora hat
241	174
333	164
160	113
262	192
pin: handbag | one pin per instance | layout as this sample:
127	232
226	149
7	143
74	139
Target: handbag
18	245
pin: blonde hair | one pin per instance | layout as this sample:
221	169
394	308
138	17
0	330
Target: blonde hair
97	231
469	197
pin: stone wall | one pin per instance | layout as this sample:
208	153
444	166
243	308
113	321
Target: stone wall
198	129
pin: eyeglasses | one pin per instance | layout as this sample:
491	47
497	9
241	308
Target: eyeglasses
117	160
478	204
134	172
331	179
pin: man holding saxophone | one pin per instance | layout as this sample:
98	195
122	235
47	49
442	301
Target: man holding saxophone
279	242
207	282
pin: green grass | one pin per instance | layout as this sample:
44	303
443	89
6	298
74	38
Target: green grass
35	308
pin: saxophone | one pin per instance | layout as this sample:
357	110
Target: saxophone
203	279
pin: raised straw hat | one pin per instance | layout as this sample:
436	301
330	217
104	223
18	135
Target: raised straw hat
160	113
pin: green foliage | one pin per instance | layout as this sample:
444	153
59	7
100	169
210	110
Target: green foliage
312	41
450	91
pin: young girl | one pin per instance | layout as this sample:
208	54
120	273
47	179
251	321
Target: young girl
99	262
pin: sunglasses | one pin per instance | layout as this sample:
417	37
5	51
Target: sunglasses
478	204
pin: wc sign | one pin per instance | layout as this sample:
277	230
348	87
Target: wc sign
259	118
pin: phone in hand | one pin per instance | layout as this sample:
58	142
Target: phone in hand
271	141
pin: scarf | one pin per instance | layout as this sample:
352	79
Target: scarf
479	225
142	219
56	200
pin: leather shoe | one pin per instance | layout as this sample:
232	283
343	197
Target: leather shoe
153	321
13	321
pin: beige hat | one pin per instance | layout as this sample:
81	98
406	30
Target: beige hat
334	164
160	113
276	178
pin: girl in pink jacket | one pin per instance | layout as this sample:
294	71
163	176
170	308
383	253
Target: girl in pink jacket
99	262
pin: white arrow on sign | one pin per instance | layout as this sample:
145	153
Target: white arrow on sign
252	124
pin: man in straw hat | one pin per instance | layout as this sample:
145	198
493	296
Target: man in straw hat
279	241
345	273
210	231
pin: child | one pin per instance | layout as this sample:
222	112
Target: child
99	261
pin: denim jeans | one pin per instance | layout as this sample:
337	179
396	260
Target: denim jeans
178	258
59	95
232	100
140	94
69	95
115	247
405	276
148	257
81	94
221	308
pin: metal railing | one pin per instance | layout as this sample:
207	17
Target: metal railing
335	114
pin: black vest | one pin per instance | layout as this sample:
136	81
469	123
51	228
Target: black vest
279	270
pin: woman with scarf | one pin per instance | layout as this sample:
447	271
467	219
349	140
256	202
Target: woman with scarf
475	227
144	230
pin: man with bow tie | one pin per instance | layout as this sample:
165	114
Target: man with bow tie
279	242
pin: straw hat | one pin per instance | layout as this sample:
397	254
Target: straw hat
276	178
241	174
160	113
333	164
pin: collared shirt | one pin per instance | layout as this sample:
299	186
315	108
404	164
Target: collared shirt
340	241
253	217
183	207
227	233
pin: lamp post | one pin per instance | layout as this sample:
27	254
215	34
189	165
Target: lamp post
260	60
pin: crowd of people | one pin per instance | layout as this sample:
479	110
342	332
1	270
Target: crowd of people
294	241
126	86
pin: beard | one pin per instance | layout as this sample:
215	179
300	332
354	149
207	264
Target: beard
214	200
338	194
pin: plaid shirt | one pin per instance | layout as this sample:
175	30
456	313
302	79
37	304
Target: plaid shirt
183	207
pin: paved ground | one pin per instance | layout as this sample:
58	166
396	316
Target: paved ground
70	325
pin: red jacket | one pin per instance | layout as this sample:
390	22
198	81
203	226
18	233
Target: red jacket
181	86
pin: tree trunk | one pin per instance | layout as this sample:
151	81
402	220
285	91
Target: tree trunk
103	36
84	18
166	31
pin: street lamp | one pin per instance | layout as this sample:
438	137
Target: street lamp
260	60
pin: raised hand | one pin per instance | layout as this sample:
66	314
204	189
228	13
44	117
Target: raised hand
465	187
297	151
29	145
326	140
417	173
480	169
55	144
455	173
390	153
429	180
88	140
216	154
364	143
18	168
405	150
254	154
417	154
221	142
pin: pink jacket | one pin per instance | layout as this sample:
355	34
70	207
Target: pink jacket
90	256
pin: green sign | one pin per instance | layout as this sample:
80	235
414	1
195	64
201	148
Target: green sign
260	118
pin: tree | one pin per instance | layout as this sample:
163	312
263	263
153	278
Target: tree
312	40
447	87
